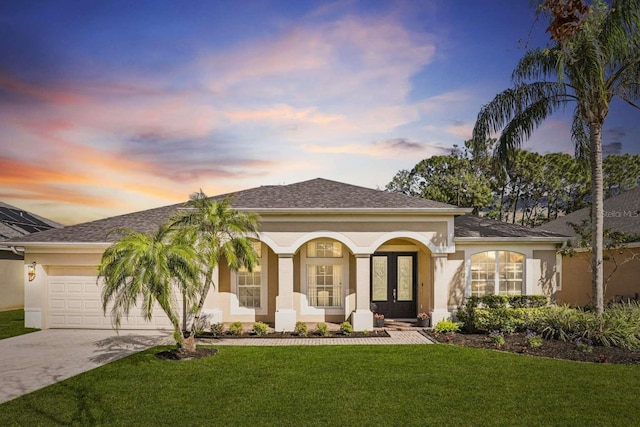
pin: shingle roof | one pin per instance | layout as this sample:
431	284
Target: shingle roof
475	226
16	222
621	213
317	194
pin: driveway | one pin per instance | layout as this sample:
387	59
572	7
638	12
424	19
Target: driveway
33	361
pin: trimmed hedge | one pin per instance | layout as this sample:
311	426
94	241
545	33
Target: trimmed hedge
501	312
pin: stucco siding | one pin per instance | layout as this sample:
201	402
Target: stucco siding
576	278
11	284
546	273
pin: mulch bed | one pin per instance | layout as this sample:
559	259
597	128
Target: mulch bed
202	352
176	354
516	343
332	334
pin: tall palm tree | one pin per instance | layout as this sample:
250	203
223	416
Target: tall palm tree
216	230
596	57
145	268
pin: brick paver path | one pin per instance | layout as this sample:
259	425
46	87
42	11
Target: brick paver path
394	338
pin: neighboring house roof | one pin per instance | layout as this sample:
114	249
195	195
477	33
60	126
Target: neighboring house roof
471	226
15	222
314	196
621	213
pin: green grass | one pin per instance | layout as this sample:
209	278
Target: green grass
338	385
12	324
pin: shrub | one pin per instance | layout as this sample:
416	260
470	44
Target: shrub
236	329
260	328
446	326
506	313
497	338
346	328
217	329
584	345
533	340
322	329
301	329
495	301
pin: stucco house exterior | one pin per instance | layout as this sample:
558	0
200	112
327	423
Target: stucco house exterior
15	223
329	251
621	214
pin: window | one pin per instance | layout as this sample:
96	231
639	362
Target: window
324	285
497	272
324	249
250	283
326	268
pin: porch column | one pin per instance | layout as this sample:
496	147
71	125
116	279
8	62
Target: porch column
211	307
362	317
285	313
440	289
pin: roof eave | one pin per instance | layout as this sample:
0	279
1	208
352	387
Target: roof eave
530	239
364	211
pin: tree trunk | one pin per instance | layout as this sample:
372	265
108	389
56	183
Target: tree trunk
597	216
205	290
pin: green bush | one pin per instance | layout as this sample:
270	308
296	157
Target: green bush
217	329
618	326
533	340
495	301
236	329
497	338
301	329
322	329
446	326
346	328
260	328
505	313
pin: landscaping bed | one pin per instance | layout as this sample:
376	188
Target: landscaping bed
556	349
271	335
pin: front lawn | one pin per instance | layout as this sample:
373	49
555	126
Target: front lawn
12	324
338	385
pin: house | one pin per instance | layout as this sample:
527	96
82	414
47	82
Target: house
328	251
15	223
621	266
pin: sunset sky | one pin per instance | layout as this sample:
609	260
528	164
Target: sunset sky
117	106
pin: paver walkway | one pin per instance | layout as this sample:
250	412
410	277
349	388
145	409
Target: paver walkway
394	338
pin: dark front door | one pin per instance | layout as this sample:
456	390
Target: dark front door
393	284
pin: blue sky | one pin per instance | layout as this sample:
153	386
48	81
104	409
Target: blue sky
117	106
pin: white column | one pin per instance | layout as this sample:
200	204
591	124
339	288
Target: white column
285	313
362	317
440	289
211	303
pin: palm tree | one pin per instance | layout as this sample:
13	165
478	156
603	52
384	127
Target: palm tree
145	268
596	57
216	230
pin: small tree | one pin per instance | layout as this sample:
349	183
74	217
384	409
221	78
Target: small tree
216	230
145	268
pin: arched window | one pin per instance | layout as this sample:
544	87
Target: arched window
326	270
497	272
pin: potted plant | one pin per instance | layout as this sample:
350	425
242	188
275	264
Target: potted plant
423	320
378	320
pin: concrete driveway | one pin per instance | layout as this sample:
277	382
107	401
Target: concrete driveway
33	361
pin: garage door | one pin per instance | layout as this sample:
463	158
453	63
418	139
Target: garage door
74	302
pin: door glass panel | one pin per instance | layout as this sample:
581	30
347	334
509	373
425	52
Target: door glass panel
405	278
379	278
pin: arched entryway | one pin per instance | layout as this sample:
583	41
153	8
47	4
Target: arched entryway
399	272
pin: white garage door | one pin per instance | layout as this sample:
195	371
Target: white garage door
74	302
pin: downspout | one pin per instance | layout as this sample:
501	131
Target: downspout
17	251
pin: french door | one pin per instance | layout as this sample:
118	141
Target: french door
393	284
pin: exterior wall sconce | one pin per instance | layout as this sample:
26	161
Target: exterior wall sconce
31	271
